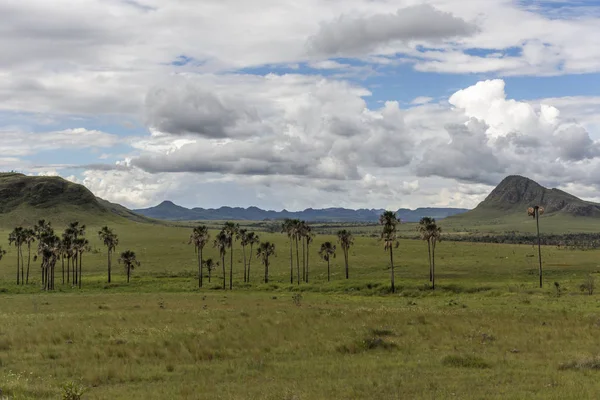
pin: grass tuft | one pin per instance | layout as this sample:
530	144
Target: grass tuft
468	361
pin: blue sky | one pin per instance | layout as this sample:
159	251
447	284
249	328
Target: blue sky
356	104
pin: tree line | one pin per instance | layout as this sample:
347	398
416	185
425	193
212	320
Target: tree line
68	249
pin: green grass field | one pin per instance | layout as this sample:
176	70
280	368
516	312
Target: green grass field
486	332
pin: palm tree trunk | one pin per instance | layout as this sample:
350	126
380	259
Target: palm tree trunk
249	262
68	269
291	262
80	271
430	263
433	266
537	220
200	268
74	266
231	269
267	268
18	267
224	273
108	262
307	258
22	266
28	261
245	272
392	262
209	273
302	239
297	261
62	260
346	261
128	272
328	275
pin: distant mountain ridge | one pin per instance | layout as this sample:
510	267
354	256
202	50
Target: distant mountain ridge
516	193
168	210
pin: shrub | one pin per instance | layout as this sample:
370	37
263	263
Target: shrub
72	391
468	361
588	285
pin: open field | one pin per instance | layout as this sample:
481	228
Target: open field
486	332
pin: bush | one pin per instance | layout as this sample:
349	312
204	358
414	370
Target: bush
588	285
72	391
465	362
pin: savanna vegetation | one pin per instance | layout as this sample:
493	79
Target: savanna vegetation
226	312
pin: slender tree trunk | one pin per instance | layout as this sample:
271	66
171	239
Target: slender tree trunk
128	272
328	275
307	258
291	262
22	265
433	265
429	257
346	262
249	262
245	271
224	273
231	269
537	220
62	260
302	239
74	265
68	269
266	270
209	273
108	262
297	261
28	261
80	270
200	268
53	273
392	262
18	267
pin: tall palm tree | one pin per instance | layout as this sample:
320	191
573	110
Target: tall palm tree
49	247
74	232
29	237
251	239
346	240
67	244
199	238
264	251
16	238
297	233
81	245
432	234
221	243
309	239
111	241
231	229
130	261
425	233
41	228
326	252
389	220
287	227
241	235
535	212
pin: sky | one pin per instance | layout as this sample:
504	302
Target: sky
297	104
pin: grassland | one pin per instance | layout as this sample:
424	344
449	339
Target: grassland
486	332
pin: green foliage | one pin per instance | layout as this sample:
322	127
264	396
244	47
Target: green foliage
72	391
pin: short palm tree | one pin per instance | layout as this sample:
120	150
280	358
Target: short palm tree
199	238
111	241
389	237
326	252
210	265
264	251
346	240
129	261
535	212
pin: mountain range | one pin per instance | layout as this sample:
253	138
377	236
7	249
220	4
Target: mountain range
168	210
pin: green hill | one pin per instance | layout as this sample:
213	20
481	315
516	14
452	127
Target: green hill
505	209
26	199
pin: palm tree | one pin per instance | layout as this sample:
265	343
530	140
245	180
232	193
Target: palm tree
231	229
29	237
287	227
425	233
297	233
326	252
535	212
309	239
41	228
111	241
75	231
130	261
264	251
432	234
222	243
49	247
199	237
81	245
251	239
16	238
210	265
67	247
389	220
241	235
346	241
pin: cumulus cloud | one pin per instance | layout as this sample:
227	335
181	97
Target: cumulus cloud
362	34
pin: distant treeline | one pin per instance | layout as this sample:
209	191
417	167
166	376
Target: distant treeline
580	241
